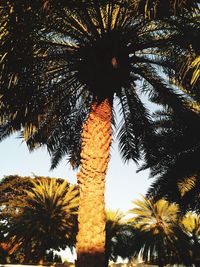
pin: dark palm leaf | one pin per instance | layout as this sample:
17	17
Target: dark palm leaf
176	165
58	57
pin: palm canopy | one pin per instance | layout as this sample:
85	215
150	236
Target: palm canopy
57	61
48	220
156	239
156	216
119	236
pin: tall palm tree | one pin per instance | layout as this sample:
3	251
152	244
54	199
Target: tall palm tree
63	63
156	222
47	221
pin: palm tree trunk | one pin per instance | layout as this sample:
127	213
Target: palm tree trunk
95	154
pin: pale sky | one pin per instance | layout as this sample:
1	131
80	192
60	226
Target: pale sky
122	187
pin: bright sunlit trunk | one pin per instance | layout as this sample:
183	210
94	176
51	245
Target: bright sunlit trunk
96	140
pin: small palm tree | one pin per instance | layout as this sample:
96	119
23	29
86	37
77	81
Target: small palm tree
190	224
156	222
48	220
119	235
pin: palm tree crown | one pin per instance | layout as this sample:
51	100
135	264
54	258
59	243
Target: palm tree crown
155	216
72	57
156	222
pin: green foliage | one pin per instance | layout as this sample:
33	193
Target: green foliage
13	195
3	232
190	224
51	257
166	8
158	238
47	218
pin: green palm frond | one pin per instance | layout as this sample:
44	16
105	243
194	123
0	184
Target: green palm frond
196	65
191	223
115	216
154	216
156	224
59	196
136	131
187	184
176	166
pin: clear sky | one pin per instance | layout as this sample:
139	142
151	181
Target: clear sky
123	184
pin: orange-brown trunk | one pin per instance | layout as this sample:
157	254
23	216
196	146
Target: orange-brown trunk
95	154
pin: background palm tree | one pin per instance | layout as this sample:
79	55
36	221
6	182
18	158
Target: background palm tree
156	222
190	224
47	221
62	66
119	235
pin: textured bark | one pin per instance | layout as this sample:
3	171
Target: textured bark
95	154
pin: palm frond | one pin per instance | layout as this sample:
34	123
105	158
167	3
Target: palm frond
58	57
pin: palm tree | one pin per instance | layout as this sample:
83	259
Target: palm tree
190	224
156	222
62	66
119	235
48	220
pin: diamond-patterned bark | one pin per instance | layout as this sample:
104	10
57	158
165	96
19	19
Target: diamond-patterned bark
96	139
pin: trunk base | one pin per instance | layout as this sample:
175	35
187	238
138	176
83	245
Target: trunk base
90	259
